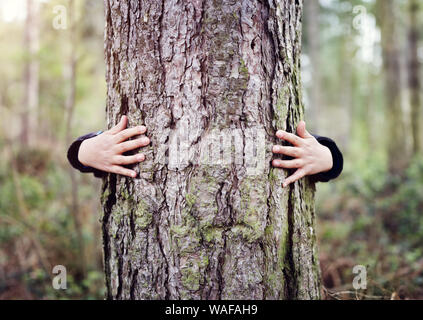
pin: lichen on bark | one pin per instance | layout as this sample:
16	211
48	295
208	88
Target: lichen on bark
187	229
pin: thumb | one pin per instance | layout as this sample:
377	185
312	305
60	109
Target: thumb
302	131
120	126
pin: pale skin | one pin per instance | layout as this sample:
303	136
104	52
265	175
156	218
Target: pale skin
310	157
105	152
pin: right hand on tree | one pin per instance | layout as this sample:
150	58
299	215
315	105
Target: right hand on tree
105	151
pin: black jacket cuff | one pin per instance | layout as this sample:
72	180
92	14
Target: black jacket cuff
338	161
73	156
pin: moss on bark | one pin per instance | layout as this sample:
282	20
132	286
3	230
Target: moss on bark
192	230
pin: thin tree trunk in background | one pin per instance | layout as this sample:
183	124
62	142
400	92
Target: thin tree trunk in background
312	12
397	158
346	94
70	108
414	74
31	72
188	228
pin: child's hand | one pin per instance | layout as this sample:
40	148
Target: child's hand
311	157
105	151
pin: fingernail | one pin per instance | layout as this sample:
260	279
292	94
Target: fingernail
142	129
140	157
276	149
145	140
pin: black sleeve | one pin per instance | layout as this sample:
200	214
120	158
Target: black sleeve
73	156
338	161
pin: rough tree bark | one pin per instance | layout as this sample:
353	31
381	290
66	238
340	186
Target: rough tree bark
188	229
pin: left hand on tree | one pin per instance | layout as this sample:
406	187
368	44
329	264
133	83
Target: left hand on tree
310	157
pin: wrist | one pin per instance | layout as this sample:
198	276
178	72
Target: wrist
327	159
82	157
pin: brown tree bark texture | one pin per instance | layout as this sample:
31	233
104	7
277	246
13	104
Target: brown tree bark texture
195	230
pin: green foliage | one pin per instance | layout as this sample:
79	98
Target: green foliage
368	216
47	219
37	224
373	219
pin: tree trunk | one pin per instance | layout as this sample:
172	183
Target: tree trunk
31	72
70	108
207	218
312	13
414	75
391	59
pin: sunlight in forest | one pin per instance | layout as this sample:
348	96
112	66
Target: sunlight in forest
12	10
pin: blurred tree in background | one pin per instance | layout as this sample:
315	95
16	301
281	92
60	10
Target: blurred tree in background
53	79
361	71
370	56
414	82
387	11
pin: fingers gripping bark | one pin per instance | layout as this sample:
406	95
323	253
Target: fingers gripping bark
105	152
309	156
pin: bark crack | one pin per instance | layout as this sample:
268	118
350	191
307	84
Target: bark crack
134	282
289	265
110	185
